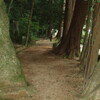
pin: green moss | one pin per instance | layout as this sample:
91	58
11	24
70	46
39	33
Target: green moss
5	98
10	69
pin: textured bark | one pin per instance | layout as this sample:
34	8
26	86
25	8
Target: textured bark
71	42
68	16
79	19
92	87
87	30
10	68
87	39
95	42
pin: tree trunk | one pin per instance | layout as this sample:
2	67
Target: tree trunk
10	68
95	42
87	30
87	38
92	87
70	45
15	31
49	35
68	16
29	24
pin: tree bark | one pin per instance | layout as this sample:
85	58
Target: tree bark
92	89
95	42
70	4
92	86
10	68
70	45
87	39
87	31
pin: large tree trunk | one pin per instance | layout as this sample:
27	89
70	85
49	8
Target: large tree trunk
69	9
10	68
87	38
92	89
95	42
70	45
92	74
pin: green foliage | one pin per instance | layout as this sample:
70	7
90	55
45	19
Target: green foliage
82	38
50	11
98	1
34	27
46	12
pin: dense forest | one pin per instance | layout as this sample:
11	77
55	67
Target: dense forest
32	14
73	28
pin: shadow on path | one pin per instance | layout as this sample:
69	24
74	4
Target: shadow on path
54	78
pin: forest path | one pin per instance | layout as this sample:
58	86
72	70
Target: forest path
53	78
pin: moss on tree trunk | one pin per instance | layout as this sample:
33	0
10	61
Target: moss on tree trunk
92	89
92	68
10	68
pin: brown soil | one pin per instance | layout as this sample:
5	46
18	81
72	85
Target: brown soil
53	78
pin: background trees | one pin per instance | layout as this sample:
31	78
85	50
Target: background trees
91	73
91	66
45	17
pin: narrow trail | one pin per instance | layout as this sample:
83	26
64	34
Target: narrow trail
53	78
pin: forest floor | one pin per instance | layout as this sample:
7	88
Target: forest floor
53	77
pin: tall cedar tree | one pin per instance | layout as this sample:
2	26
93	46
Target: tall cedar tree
92	74
70	44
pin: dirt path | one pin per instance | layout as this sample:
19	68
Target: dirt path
53	78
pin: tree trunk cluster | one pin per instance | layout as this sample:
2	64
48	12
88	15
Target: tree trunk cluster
69	45
70	42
